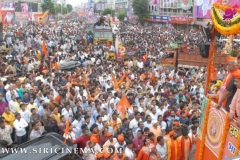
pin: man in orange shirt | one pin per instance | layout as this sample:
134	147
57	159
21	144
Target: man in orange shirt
228	89
185	144
96	132
156	130
172	147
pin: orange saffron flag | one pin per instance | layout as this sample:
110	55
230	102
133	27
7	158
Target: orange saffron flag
123	104
67	130
44	49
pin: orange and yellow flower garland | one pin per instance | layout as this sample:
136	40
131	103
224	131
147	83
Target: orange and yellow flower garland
219	25
237	144
204	130
223	7
224	137
235	29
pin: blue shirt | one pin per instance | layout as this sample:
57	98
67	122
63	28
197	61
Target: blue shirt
169	119
26	100
84	105
37	102
40	110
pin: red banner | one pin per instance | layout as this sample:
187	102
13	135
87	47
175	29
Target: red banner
7	16
181	20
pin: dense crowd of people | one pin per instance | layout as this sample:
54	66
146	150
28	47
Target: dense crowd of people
136	107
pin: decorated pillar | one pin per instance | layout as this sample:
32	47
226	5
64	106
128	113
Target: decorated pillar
210	66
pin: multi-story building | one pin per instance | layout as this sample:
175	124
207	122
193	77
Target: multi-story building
110	4
121	5
171	11
124	5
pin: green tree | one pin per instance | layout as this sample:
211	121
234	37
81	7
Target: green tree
65	10
107	11
69	7
58	8
48	5
140	8
121	15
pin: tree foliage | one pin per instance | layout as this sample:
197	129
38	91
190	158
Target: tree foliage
63	9
140	8
121	15
48	5
107	11
69	7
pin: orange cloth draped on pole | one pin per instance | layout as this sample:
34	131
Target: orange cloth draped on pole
116	82
67	129
185	145
44	49
122	105
172	149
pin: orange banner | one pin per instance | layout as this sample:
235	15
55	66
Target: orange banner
7	16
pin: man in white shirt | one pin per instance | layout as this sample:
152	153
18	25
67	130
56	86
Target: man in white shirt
110	141
148	122
140	64
67	112
121	142
20	126
99	122
129	151
161	110
11	92
13	105
134	122
92	144
161	148
5	132
163	124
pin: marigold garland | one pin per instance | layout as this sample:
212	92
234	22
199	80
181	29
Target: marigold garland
204	130
234	21
237	145
222	26
224	137
235	29
219	18
224	7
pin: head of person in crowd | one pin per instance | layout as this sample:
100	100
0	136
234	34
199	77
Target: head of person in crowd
151	136
2	124
176	125
129	144
94	129
172	134
232	63
160	140
18	116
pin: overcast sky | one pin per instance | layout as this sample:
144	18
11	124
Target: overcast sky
76	2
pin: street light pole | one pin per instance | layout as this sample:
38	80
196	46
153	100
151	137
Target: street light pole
61	8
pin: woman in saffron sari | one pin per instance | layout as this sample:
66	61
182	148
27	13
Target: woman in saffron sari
148	151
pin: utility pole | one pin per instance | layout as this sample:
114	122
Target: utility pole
61	7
